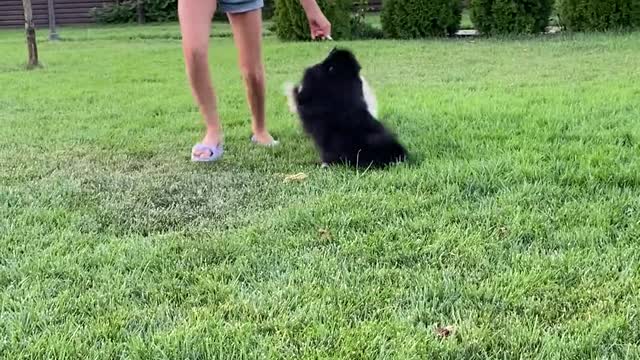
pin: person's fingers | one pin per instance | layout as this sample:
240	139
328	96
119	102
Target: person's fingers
315	31
325	29
320	28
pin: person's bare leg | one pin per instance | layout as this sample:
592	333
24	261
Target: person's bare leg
195	25
247	33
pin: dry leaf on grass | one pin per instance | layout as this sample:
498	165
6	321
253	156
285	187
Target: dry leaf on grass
444	332
503	232
295	177
325	234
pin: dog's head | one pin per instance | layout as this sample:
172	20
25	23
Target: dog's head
342	63
339	66
334	80
334	83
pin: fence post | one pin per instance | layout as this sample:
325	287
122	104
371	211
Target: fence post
140	11
53	35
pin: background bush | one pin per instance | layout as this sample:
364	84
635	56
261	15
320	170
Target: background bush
269	9
511	16
291	22
360	29
124	12
154	11
599	15
407	19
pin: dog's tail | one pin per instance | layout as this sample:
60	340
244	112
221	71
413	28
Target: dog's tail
290	91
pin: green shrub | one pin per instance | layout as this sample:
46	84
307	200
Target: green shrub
599	15
268	10
500	17
408	19
154	11
160	10
360	29
115	14
126	11
291	21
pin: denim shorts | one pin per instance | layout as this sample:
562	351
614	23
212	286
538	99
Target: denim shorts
239	6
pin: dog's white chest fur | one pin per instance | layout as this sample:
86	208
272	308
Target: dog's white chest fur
369	98
367	92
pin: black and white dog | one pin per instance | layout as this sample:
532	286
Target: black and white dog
338	110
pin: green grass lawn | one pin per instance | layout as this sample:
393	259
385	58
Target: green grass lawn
518	223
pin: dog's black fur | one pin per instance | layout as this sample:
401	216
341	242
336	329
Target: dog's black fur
333	111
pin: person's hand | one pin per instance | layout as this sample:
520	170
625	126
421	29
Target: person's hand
319	25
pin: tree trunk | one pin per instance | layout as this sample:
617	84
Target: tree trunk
31	34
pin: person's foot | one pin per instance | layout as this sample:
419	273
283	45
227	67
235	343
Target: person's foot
263	138
205	153
209	149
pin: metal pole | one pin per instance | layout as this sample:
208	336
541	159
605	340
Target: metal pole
53	35
140	11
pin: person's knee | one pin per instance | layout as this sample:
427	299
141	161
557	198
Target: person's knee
195	55
253	74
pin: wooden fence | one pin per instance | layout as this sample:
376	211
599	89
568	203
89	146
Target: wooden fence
71	12
374	5
68	12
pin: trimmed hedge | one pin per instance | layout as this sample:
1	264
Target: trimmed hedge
599	15
501	17
410	19
291	22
